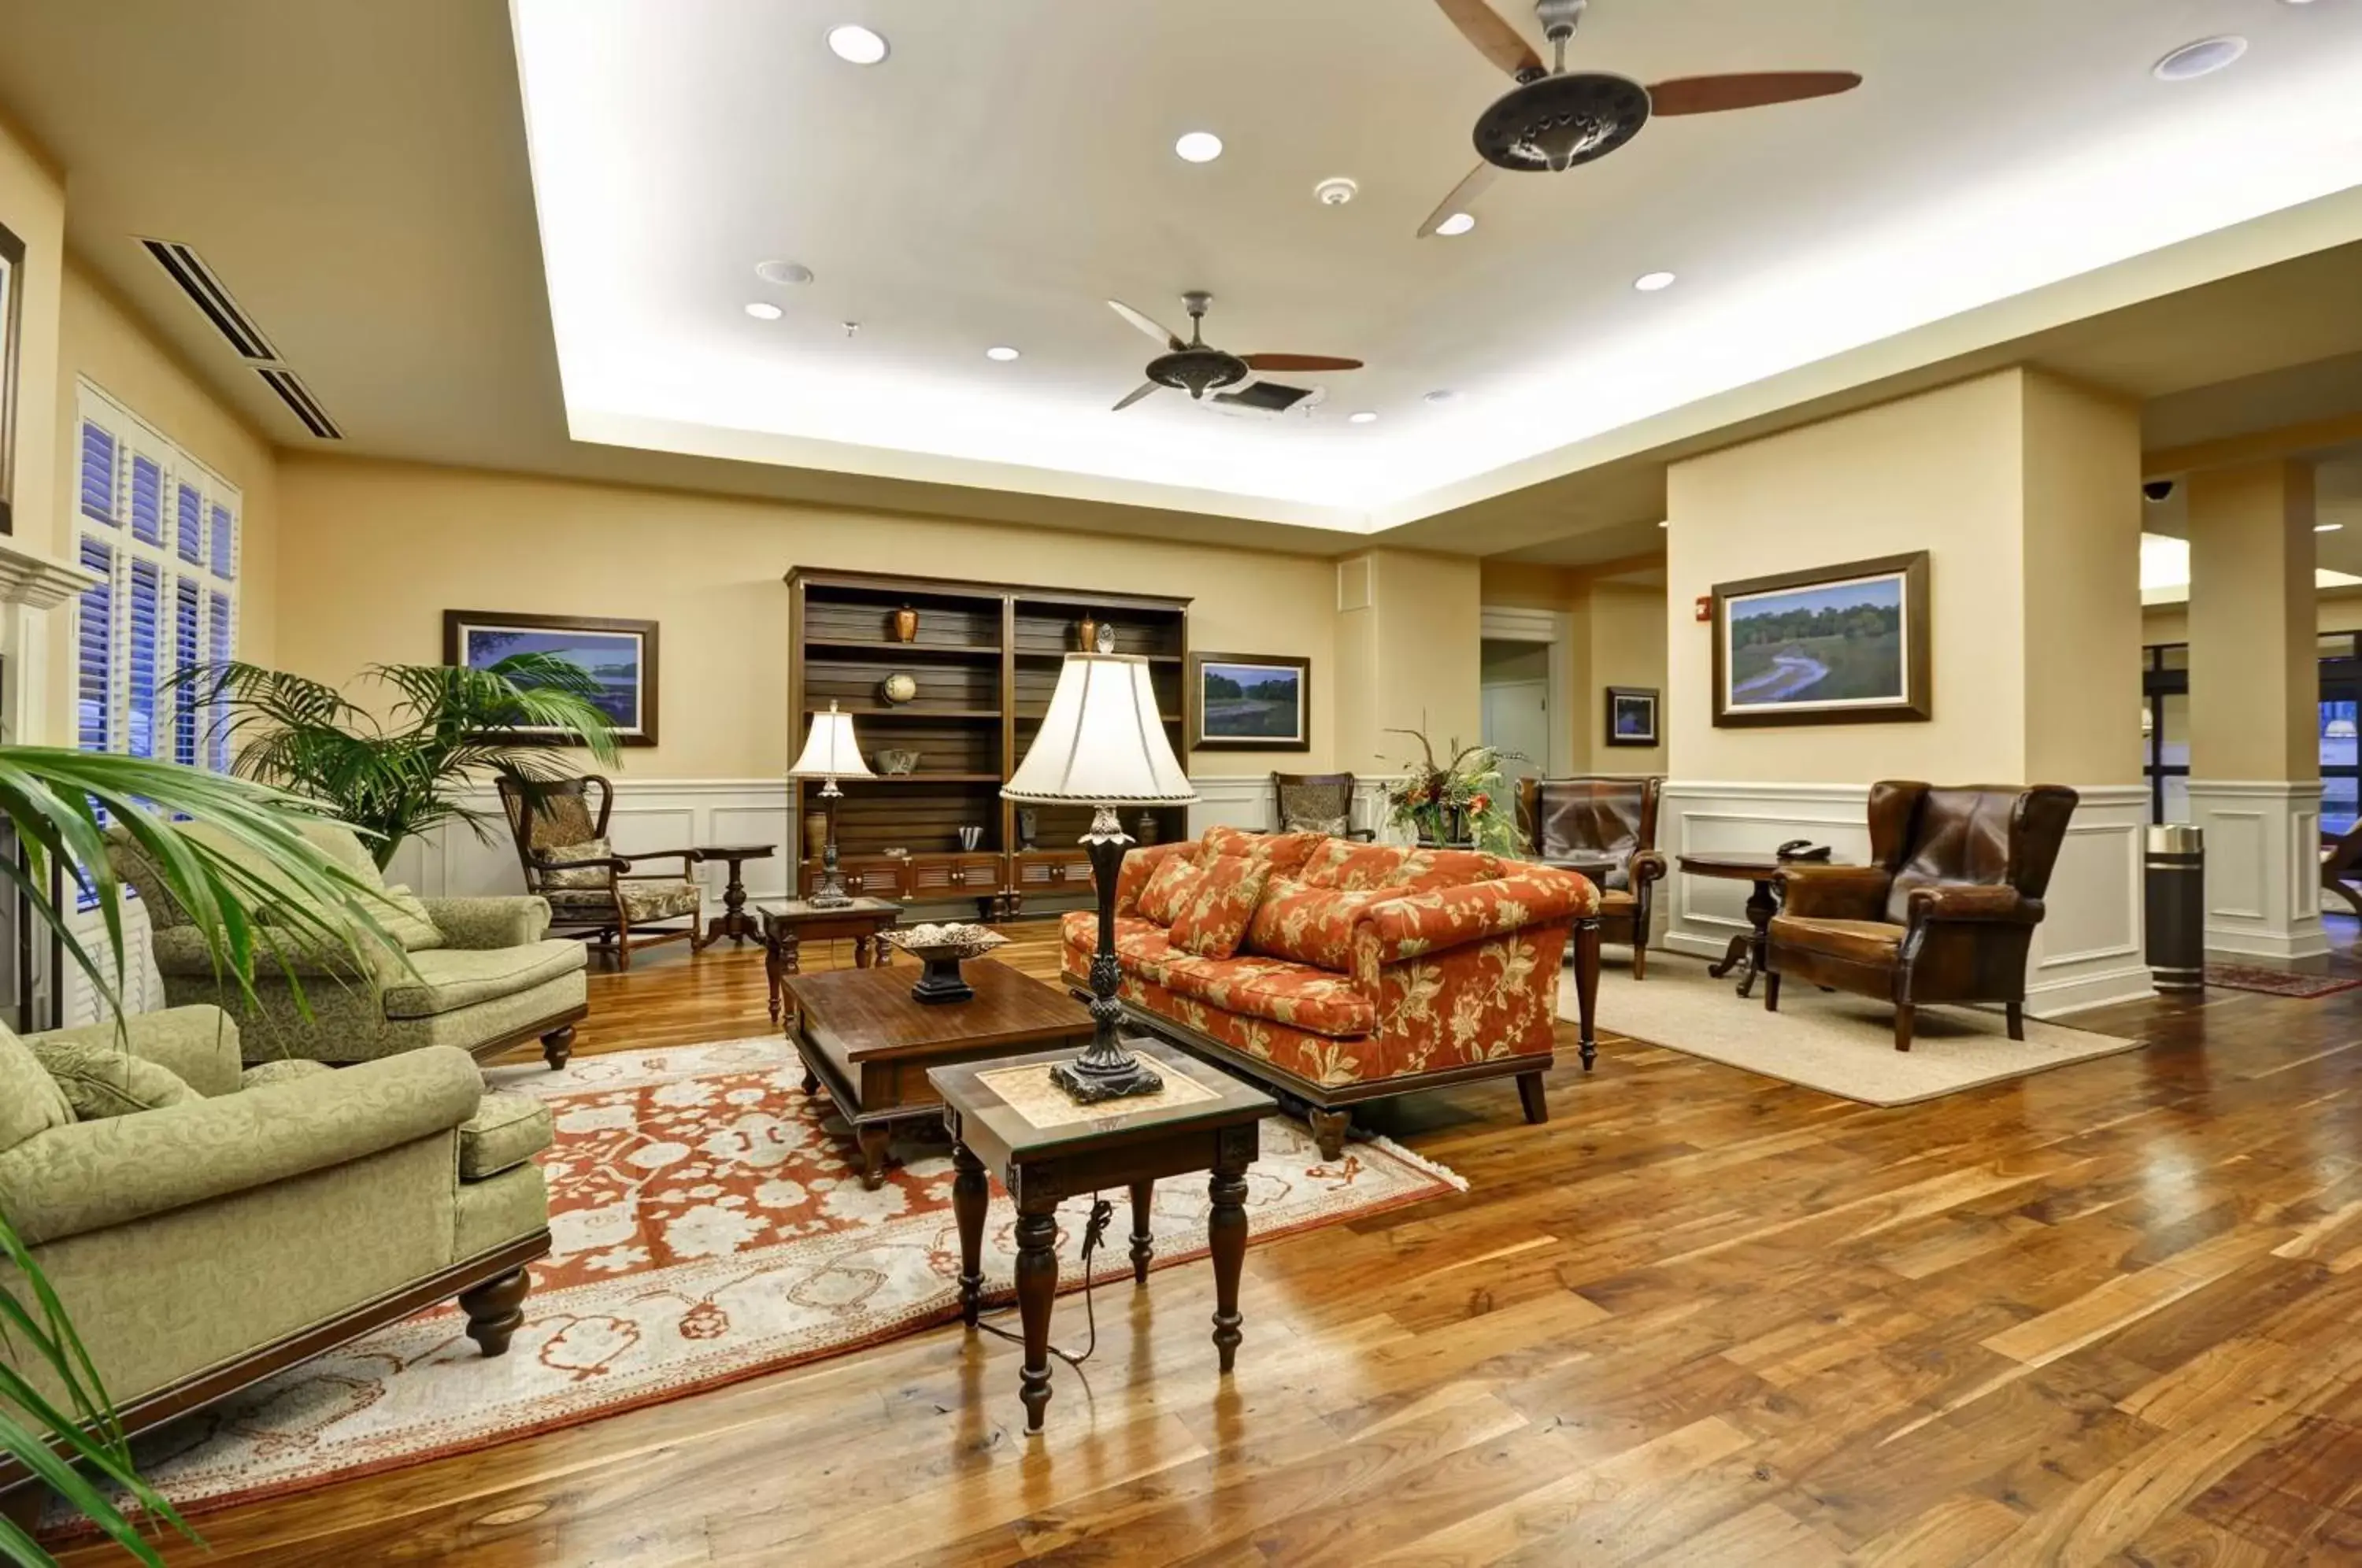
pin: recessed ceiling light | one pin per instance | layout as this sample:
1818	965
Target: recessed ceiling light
1458	223
1335	192
1000	351
1649	283
764	310
1198	146
1363	416
1441	394
783	272
2321	527
855	45
2200	58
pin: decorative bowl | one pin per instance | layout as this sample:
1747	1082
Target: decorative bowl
940	947
895	761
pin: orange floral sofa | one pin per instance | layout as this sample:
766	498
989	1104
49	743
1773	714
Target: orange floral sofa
1360	970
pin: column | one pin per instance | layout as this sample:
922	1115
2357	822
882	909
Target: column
2254	759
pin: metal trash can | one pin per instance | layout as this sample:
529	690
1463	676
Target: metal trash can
2176	906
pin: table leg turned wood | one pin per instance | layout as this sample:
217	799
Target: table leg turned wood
1037	1287
875	1136
1761	905
863	951
1143	1246
772	978
1226	1237
969	1193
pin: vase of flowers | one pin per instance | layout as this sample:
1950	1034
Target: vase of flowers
1463	803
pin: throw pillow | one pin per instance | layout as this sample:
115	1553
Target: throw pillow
103	1081
30	1100
589	876
1307	924
1168	886
407	921
1215	914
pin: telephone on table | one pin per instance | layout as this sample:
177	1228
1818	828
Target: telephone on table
1802	849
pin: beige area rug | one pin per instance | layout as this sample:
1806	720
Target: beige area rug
709	1227
1828	1040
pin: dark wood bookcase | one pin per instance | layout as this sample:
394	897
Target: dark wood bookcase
985	659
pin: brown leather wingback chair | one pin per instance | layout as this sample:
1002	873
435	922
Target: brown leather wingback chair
1945	912
1607	829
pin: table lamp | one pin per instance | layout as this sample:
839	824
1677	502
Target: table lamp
1102	745
830	753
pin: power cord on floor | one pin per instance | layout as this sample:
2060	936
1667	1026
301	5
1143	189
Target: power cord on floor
1094	1231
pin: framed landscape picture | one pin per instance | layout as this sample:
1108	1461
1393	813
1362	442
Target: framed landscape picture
1250	703
1632	716
12	317
1838	645
620	655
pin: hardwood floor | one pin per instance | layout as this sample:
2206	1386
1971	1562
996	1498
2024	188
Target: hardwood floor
2103	1315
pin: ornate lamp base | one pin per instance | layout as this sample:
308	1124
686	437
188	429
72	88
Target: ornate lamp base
1087	1082
830	894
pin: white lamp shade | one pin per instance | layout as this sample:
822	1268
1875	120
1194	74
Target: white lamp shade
831	751
1102	741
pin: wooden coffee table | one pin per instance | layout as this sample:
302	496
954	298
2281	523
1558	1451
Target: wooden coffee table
1006	1117
866	1040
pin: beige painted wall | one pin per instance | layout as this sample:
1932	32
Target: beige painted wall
1627	627
100	340
370	554
1411	660
33	206
2253	683
1999	478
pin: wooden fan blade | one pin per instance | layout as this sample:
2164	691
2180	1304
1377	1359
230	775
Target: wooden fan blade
1298	362
1748	90
1464	196
1495	38
1136	393
1141	320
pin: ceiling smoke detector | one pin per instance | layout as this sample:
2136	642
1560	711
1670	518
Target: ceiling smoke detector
1335	193
789	273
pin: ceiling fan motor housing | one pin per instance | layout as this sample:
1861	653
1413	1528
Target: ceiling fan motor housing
1196	370
1557	122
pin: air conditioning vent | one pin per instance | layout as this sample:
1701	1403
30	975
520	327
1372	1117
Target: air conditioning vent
1268	396
196	279
298	398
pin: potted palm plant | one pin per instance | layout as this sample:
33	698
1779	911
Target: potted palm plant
58	802
401	772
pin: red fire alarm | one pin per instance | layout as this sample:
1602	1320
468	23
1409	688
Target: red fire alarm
1706	608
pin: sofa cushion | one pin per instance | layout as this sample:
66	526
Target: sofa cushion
507	1130
1311	925
449	978
1214	916
657	899
285	1070
1313	1000
30	1100
1861	940
1169	886
102	1080
408	921
1285	853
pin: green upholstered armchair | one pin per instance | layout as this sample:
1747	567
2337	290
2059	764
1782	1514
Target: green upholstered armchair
482	974
257	1218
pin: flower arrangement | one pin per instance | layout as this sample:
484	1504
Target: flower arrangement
1464	801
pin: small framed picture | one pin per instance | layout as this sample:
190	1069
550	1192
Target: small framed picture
1840	644
621	655
1250	703
1632	716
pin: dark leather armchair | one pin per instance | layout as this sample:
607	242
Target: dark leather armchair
1944	913
1607	829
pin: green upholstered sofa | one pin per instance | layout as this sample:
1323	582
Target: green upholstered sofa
270	1215
482	974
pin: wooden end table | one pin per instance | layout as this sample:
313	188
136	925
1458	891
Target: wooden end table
1749	952
864	1039
784	924
1007	1116
735	923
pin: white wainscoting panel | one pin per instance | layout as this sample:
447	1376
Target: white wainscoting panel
2086	952
2263	867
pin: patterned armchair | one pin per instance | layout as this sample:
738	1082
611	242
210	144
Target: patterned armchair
1316	803
561	840
1607	829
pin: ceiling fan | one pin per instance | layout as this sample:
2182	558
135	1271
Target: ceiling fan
1557	119
1198	367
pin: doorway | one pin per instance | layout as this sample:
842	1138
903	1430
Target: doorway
1517	690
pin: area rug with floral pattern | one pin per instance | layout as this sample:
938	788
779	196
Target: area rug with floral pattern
710	1225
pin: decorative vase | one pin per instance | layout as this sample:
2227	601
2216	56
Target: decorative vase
1144	831
906	624
815	834
971	837
1029	821
1086	634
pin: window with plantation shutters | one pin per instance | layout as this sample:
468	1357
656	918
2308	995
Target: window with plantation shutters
160	530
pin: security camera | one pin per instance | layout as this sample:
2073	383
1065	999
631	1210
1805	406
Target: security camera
2157	490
